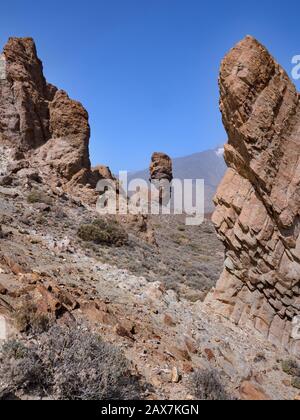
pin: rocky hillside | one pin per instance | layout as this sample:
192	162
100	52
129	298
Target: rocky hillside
108	307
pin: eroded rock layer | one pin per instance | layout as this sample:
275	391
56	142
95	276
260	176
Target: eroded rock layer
258	201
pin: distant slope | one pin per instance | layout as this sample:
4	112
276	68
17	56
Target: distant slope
208	165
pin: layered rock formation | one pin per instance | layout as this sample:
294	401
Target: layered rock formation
40	124
258	202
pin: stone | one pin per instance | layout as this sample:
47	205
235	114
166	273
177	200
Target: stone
3	328
161	167
209	354
6	181
3	290
261	114
179	353
251	392
121	331
175	377
191	345
67	149
169	321
29	174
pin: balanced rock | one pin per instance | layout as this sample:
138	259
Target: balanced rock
161	167
258	201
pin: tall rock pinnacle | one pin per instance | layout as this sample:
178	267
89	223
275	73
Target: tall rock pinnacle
258	202
161	167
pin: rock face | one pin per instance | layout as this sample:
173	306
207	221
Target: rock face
24	93
258	202
161	167
39	123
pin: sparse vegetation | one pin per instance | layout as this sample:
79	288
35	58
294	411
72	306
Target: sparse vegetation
36	196
102	231
296	382
41	220
292	368
67	364
206	385
22	369
28	320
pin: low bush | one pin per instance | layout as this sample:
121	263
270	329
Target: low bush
291	367
102	231
36	196
29	320
67	364
206	385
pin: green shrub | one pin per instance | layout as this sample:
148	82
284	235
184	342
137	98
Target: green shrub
36	196
102	231
290	367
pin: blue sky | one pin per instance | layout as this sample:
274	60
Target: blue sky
146	70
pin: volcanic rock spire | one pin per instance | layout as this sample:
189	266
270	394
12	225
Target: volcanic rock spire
258	201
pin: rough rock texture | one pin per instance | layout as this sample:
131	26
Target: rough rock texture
68	148
161	167
146	300
24	96
258	201
39	123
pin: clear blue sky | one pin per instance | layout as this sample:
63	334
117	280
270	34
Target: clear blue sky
146	70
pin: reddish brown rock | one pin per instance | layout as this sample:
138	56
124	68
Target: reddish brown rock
24	96
121	331
161	167
258	201
68	148
102	172
39	124
251	392
209	354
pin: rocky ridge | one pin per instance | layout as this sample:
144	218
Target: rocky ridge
40	126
